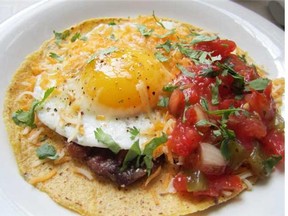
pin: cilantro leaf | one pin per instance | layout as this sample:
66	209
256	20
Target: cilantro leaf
133	153
157	21
57	57
75	37
112	23
163	102
134	132
160	57
169	88
47	151
270	163
204	103
238	83
107	140
144	30
215	91
167	46
168	33
258	84
184	71
103	52
197	56
27	118
209	72
149	148
60	36
108	50
200	38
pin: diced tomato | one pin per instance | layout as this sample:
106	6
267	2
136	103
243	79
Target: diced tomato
263	105
176	103
191	116
180	183
218	184
247	128
184	139
226	104
217	47
249	72
273	143
192	95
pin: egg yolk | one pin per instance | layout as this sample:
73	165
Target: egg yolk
111	80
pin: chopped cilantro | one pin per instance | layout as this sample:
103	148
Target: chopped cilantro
258	84
149	148
144	30
112	23
60	36
200	38
167	46
75	37
160	57
215	91
112	37
238	83
209	72
57	57
169	88
185	71
103	52
27	118
132	153
134	132
168	33
47	151
197	56
163	102
157	21
107	140
270	163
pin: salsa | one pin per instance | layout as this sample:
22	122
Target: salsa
226	118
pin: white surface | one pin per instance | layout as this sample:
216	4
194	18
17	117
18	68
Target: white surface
25	32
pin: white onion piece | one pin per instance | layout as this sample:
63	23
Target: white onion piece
212	161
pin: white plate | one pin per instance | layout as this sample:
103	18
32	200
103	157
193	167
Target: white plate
25	32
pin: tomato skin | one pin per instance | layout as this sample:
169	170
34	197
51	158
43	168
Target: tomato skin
247	126
180	183
262	103
218	184
248	72
184	139
217	47
176	103
273	143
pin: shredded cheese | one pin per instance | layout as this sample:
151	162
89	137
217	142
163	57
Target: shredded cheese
26	130
78	124
83	172
18	98
34	135
43	178
151	177
155	197
142	90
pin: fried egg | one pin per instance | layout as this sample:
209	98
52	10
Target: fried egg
111	80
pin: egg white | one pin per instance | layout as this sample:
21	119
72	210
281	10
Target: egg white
79	127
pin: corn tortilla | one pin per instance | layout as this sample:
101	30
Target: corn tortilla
61	182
